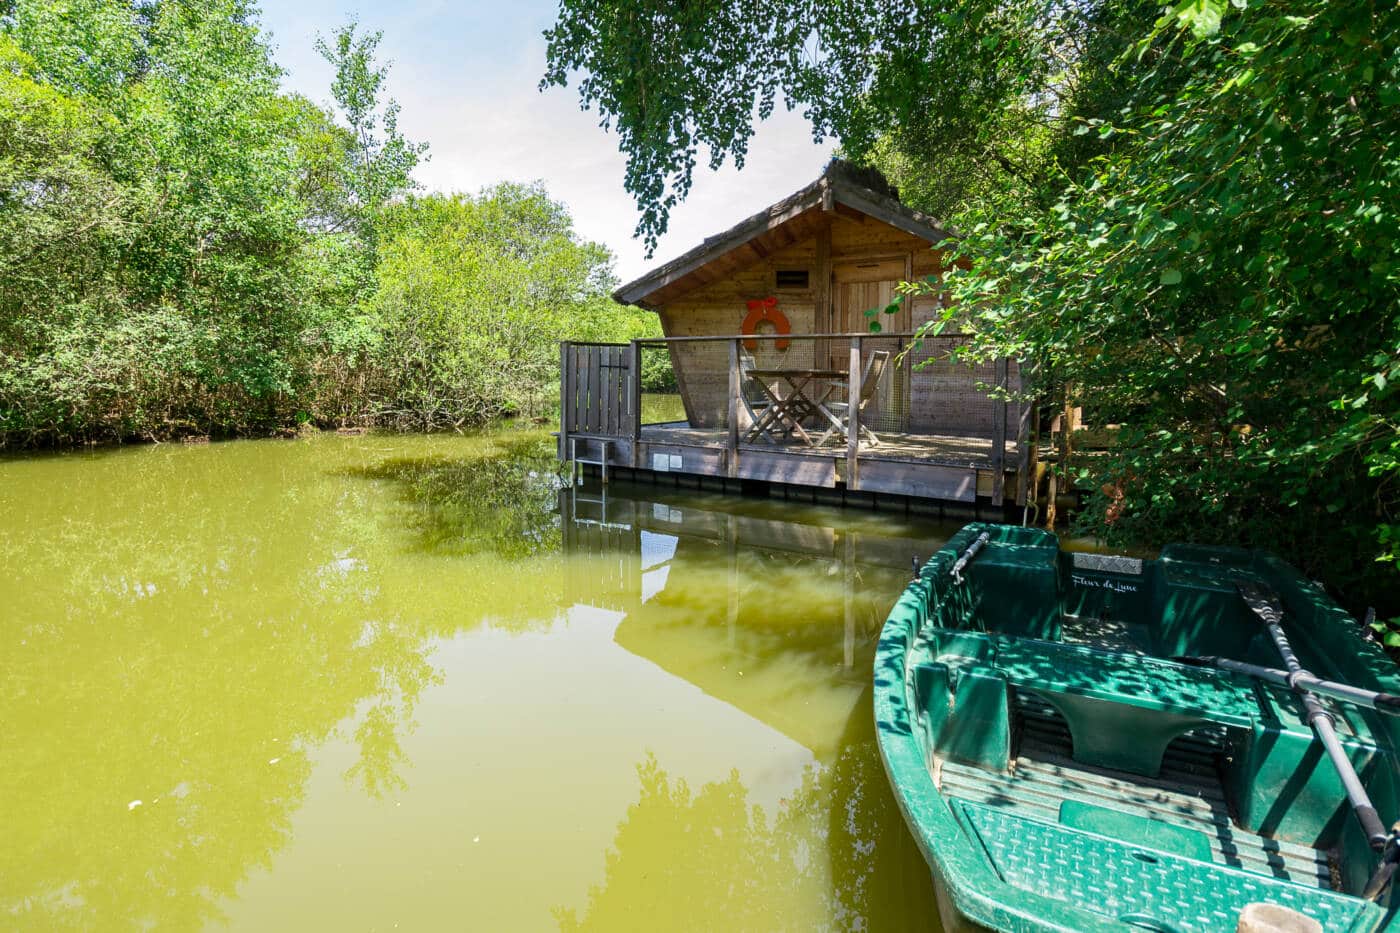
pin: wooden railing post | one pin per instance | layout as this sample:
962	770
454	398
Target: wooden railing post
732	457
999	435
566	394
853	418
634	399
1024	461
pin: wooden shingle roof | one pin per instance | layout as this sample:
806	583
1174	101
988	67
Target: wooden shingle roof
790	220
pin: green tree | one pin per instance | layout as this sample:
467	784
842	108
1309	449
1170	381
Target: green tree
185	249
968	93
474	293
1223	280
169	294
376	164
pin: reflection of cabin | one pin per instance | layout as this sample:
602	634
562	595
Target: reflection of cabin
800	666
786	292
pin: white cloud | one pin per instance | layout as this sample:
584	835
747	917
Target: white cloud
485	122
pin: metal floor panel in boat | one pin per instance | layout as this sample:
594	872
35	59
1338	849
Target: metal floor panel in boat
1188	793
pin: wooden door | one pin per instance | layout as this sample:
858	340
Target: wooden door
856	288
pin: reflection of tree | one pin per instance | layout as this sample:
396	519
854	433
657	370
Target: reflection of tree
503	504
836	853
405	676
682	857
183	627
791	647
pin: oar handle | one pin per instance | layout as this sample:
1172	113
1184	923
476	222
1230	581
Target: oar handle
1387	704
971	552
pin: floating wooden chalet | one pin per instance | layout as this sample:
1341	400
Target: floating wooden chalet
778	376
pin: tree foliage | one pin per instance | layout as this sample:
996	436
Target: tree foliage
1224	281
473	296
152	228
981	84
187	249
376	163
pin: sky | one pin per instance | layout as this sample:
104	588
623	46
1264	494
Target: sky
466	75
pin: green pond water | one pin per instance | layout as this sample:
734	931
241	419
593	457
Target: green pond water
410	683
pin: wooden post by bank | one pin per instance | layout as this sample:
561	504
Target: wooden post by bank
732	456
566	396
634	399
999	435
853	418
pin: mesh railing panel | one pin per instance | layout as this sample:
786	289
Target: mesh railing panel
685	384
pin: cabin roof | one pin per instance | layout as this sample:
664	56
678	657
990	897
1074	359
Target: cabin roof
794	218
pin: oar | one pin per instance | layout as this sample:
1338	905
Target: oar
1269	609
967	555
1387	704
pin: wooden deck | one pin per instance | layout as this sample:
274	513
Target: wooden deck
601	427
908	448
925	466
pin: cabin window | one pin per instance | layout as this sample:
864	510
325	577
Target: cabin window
792	278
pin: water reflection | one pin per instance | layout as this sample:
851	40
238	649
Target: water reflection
775	612
502	504
183	629
359	682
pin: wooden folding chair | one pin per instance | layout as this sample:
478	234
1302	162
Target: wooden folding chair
756	398
869	386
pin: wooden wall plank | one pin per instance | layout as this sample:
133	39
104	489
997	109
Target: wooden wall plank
787	468
590	382
614	404
580	396
955	484
595	400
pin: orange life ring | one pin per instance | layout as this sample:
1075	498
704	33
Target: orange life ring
765	309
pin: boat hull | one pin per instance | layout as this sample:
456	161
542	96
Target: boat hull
1031	817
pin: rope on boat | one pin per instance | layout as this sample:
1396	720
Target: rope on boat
1267	606
967	555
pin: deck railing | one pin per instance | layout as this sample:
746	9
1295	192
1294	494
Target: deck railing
922	391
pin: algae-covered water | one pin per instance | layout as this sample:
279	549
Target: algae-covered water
410	683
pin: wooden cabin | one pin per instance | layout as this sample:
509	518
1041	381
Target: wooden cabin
781	377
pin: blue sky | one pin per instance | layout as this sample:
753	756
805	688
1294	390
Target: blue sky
466	76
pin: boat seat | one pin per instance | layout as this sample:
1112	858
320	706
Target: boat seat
1137	884
1123	709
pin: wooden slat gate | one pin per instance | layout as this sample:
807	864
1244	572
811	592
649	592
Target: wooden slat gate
597	399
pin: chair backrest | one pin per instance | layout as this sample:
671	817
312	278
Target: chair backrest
870	379
748	386
746	362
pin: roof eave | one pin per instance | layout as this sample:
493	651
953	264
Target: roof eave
800	201
822	192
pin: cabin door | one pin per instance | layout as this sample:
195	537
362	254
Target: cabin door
856	288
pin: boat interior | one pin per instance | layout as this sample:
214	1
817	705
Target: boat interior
1067	701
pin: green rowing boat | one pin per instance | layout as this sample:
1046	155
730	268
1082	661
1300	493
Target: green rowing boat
1090	742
